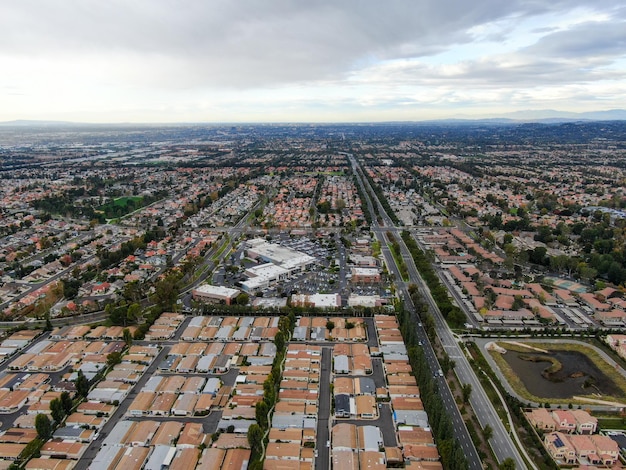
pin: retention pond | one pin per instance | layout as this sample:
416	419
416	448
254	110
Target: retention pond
560	374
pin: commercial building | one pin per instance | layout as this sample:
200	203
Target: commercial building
215	294
277	263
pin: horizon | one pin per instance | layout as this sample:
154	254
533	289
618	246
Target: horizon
224	62
547	117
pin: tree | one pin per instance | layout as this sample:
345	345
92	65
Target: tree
132	313
128	337
279	341
56	410
48	326
261	413
242	299
255	439
507	464
166	291
330	325
43	426
114	358
466	390
82	384
66	402
133	291
488	432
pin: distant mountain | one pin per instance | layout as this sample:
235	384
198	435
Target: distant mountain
531	115
551	115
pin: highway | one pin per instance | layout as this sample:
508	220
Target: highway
460	429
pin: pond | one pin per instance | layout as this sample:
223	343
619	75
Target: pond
578	375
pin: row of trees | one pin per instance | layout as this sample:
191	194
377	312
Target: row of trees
397	255
383	200
453	314
59	409
452	456
364	206
257	432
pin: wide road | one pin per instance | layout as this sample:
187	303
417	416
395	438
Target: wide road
460	430
501	441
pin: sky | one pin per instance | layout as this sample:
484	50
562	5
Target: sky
307	60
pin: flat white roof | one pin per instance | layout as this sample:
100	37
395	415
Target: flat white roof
267	271
279	254
217	290
318	300
365	271
363	300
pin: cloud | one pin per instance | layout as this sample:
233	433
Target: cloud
246	43
221	56
584	41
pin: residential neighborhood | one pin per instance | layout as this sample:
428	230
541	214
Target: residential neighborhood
288	297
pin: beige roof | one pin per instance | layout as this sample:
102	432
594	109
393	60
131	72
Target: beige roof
142	401
211	459
141	432
70	449
414	435
345	460
167	433
50	464
192	435
344	435
285	435
163	402
236	459
372	460
132	458
185	459
10	450
18	435
282	450
275	464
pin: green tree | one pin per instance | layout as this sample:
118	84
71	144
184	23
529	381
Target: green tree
507	464
114	358
279	341
82	385
261	411
242	299
255	439
269	389
133	291
48	326
66	402
128	337
166	291
56	410
43	426
132	313
466	390
487	432
330	325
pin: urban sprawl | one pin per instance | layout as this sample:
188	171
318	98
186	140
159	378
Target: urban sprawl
420	296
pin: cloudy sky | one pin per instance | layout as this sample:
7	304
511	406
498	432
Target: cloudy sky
307	60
